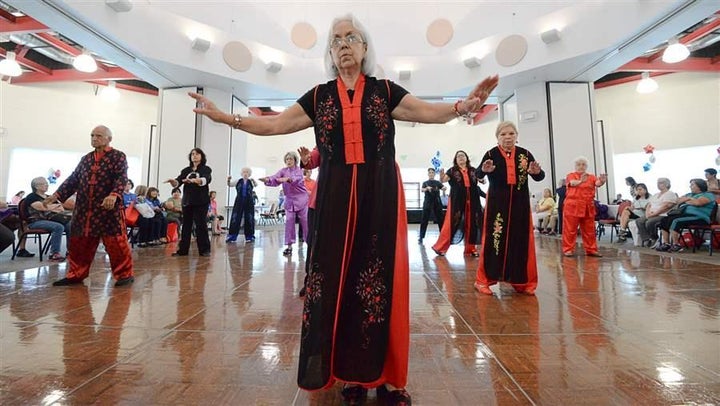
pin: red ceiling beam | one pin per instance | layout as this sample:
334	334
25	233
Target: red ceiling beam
22	25
634	78
124	86
688	65
697	34
59	75
65	47
28	63
7	16
484	111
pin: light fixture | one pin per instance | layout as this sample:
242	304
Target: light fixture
472	62
404	74
675	52
200	44
273	67
9	66
110	93
550	36
120	6
647	84
85	63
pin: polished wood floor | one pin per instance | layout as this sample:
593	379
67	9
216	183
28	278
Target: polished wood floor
631	328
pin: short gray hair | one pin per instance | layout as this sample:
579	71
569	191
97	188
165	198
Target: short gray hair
368	63
581	159
293	155
664	181
35	182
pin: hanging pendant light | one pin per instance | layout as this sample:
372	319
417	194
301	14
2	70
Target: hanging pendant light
647	84
675	52
110	93
9	66
85	62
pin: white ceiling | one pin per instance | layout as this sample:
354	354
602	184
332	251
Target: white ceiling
151	40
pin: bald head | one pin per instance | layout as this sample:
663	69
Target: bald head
100	137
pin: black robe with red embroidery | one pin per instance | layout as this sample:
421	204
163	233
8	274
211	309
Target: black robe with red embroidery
93	182
355	318
508	230
458	197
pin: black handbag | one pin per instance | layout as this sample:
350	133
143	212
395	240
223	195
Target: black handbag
61	218
677	210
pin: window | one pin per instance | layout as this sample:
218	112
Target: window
412	195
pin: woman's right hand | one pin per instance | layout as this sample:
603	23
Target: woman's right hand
304	155
487	166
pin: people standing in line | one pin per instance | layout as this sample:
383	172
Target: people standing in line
431	203
508	246
296	197
195	179
463	220
243	208
561	191
656	209
355	320
99	181
579	209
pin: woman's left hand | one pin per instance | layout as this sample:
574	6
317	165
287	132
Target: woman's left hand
207	108
534	168
477	97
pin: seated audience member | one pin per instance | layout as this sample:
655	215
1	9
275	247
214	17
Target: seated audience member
43	217
213	215
656	209
712	182
18	196
695	208
128	195
173	207
635	211
7	237
546	213
618	199
153	230
10	220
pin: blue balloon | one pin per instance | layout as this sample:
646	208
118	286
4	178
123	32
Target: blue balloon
436	162
647	167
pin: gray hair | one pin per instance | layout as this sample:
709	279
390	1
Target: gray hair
105	129
664	181
293	155
504	124
35	182
581	159
249	170
368	63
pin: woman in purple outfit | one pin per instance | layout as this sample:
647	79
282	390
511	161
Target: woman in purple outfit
296	197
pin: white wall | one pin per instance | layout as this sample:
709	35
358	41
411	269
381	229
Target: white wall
683	112
60	116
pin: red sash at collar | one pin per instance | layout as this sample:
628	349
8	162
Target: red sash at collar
510	165
352	123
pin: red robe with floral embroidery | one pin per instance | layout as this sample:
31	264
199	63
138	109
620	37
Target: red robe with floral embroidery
508	247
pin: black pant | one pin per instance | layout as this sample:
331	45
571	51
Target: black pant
436	209
246	213
196	214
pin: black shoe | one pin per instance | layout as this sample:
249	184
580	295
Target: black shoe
288	251
67	282
205	254
179	254
23	253
354	395
399	397
420	240
124	281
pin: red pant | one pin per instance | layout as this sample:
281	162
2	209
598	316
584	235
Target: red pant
82	253
444	240
587	230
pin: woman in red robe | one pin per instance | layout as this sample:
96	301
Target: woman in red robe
508	247
355	325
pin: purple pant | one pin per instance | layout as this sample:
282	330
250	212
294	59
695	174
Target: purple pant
291	217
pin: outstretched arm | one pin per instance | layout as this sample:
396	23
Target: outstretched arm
413	109
291	120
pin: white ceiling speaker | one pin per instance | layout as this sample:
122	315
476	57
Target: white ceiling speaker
439	32
511	50
472	62
550	36
404	74
120	6
273	67
303	35
237	56
200	44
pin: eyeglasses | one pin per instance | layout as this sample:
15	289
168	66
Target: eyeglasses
351	39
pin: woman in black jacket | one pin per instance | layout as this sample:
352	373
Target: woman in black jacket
195	200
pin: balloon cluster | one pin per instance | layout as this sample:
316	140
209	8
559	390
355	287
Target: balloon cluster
649	149
53	175
437	163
